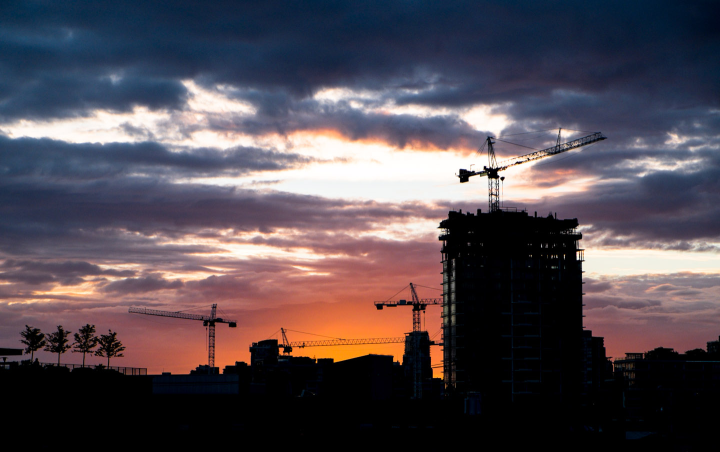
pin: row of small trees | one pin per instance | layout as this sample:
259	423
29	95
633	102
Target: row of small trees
86	342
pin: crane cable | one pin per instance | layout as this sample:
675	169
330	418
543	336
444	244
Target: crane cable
313	334
533	131
525	133
275	333
195	308
426	287
398	292
223	313
515	144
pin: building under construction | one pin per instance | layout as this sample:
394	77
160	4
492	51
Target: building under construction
512	307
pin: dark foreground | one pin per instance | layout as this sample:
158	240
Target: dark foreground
79	410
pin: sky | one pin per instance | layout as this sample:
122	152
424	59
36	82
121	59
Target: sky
291	162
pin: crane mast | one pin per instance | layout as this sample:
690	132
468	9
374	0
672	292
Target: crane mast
208	321
493	167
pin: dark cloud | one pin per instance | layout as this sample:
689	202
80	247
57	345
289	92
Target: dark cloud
671	293
637	73
595	302
52	159
118	54
138	218
137	131
398	130
687	293
662	288
634	121
150	283
341	243
73	95
64	273
594	286
150	207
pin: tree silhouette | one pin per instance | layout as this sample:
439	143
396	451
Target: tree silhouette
57	342
110	346
85	341
34	339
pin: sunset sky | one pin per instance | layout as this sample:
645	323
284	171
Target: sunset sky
291	162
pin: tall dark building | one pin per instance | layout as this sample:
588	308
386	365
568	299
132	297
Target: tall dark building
416	361
596	368
512	307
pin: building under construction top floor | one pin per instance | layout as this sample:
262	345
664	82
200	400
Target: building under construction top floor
512	307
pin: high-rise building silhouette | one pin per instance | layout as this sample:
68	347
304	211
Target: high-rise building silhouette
512	307
416	361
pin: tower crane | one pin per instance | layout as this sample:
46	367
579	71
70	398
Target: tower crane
413	340
207	320
417	304
287	346
493	167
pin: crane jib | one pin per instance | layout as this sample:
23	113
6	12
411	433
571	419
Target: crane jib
179	315
328	343
464	175
584	141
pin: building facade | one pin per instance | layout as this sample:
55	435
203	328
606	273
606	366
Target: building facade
512	307
416	361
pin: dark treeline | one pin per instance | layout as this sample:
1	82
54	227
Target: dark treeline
86	342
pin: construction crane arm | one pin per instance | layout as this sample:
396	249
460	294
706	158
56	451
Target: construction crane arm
287	346
422	301
334	342
492	171
417	304
181	315
557	149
